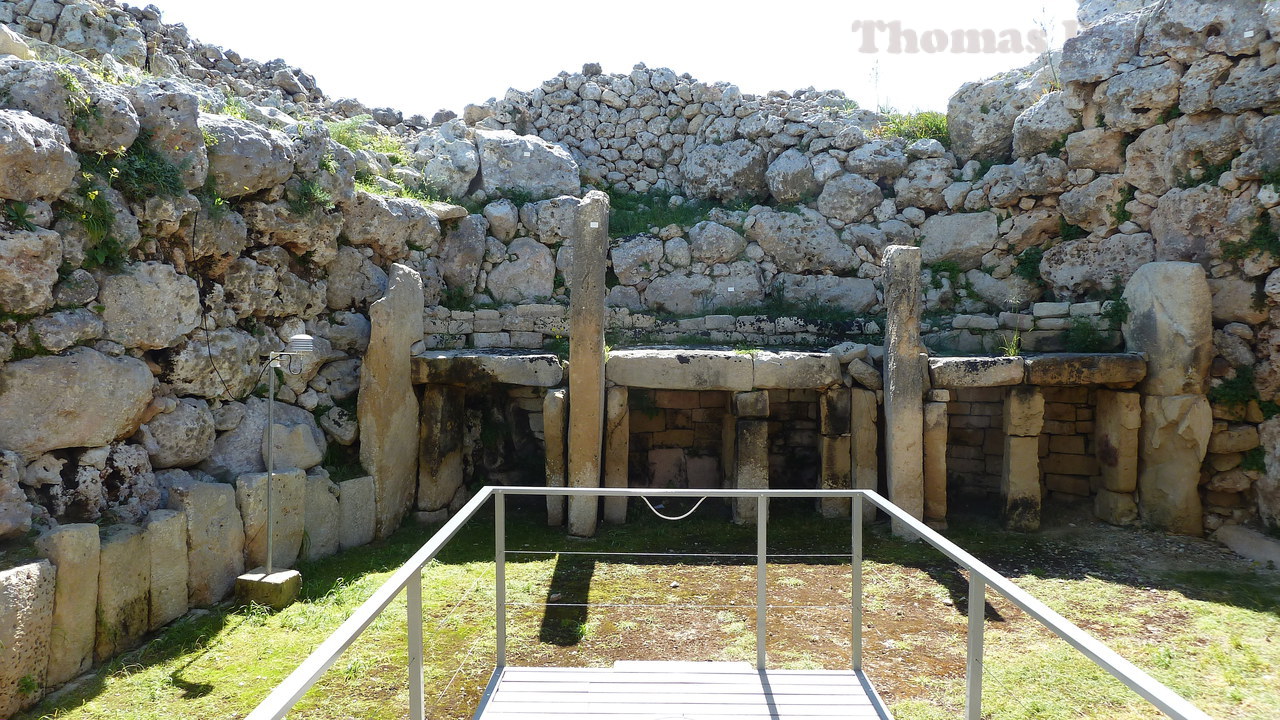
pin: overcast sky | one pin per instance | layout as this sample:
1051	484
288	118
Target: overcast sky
420	56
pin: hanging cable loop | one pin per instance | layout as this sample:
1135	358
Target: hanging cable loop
679	517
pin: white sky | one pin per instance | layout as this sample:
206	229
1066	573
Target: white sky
423	55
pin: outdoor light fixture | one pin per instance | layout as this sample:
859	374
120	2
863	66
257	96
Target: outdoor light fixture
299	346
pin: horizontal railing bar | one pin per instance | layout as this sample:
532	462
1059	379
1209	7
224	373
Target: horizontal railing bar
672	492
676	605
282	698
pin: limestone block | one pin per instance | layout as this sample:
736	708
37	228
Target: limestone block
356	512
288	501
935	462
681	369
101	399
754	404
295	447
835	472
773	370
617	439
166	535
124	590
961	372
15	509
1117	419
554	417
440	445
322	520
905	374
1115	369
387	408
215	539
1175	439
1020	483
864	436
465	367
1170	319
1116	508
1023	411
26	614
751	468
586	355
74	550
1234	438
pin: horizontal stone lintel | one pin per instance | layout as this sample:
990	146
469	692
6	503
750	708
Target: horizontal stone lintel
464	367
1119	370
971	372
710	369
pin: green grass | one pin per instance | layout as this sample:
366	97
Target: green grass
634	213
914	126
1209	634
352	134
140	172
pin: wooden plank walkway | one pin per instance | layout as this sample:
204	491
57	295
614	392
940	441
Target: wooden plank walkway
633	690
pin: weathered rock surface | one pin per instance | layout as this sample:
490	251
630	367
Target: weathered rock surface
391	225
124	590
26	611
800	242
1175	438
74	550
149	305
36	161
1070	369
1170	319
1074	267
100	399
179	438
849	197
852	294
962	239
15	511
166	535
234	352
357	512
980	115
975	372
449	157
322	518
245	157
726	172
525	162
239	451
288	501
168	110
215	538
790	177
29	261
388	408
711	242
461	367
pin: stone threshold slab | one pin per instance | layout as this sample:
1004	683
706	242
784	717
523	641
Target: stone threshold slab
465	367
716	369
1119	370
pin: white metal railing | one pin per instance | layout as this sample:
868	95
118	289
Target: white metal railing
981	577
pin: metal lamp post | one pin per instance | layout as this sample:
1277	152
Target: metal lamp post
298	346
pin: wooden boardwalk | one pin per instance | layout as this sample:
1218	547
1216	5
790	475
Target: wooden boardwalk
678	691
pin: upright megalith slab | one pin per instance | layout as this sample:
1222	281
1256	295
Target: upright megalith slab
751	467
935	463
355	512
288	516
836	468
124	590
617	444
905	371
864	436
322	518
1170	319
215	539
387	407
166	532
1175	439
1117	419
74	550
440	445
26	614
1020	474
586	357
554	415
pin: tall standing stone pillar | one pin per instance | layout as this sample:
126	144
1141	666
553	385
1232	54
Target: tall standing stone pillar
1170	319
440	445
617	444
864	436
904	383
1117	419
554	415
751	449
1020	476
387	406
586	357
935	464
836	471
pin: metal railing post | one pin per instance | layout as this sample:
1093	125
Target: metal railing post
413	598
973	665
762	556
500	573
856	568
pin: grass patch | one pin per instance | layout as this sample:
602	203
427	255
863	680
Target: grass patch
1263	239
914	126
634	213
308	197
353	134
93	211
1028	267
1082	336
141	172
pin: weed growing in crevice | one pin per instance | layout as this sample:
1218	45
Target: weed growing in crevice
307	197
1028	267
914	126
1263	239
1084	337
79	102
140	172
215	206
94	213
634	213
1067	231
353	134
1236	392
1120	211
1209	173
18	216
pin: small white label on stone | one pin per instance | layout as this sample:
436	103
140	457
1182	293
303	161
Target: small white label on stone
730	289
595	224
526	153
1248	33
